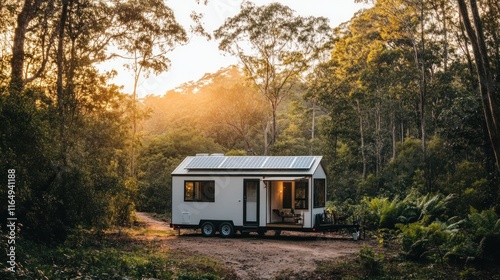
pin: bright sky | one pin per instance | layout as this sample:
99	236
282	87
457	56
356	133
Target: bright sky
192	61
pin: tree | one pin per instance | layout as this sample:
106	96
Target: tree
42	11
160	155
488	87
72	119
276	47
150	32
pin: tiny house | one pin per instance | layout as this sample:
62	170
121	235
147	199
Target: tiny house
225	194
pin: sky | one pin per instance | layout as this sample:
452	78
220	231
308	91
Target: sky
191	61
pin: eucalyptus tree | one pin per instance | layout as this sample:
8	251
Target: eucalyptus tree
150	32
485	62
33	28
276	47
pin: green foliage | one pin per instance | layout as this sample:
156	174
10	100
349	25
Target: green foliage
421	242
384	213
481	238
159	157
381	212
98	255
469	239
469	182
60	188
483	223
370	261
401	174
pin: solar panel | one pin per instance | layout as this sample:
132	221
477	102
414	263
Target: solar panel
205	162
251	162
303	162
278	162
255	162
240	162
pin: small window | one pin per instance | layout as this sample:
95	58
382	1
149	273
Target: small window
319	193
301	195
203	191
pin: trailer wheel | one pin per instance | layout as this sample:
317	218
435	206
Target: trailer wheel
226	230
207	229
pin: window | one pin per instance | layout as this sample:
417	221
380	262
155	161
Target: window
301	195
319	193
199	191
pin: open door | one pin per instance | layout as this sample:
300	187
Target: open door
251	202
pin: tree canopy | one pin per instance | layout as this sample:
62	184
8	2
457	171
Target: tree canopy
276	47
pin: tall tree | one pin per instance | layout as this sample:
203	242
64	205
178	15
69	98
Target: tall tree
488	87
32	10
275	46
151	33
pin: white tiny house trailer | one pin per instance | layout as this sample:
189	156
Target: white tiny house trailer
249	193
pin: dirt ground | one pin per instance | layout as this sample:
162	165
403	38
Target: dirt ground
253	257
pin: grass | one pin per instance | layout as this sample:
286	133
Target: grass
112	255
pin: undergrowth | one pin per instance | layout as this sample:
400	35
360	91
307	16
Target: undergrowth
114	255
371	263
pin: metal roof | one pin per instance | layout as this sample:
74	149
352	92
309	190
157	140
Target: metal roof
213	164
248	162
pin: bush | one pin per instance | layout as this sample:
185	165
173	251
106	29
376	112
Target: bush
370	262
423	242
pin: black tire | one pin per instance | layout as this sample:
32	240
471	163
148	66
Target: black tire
226	230
207	229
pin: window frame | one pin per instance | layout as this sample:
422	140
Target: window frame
305	199
199	192
319	202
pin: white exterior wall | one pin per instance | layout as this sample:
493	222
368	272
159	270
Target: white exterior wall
318	174
228	204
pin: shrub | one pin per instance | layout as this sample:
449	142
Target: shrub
380	212
423	242
369	261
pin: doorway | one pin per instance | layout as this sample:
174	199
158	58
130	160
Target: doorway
251	202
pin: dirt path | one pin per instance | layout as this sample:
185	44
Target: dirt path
152	223
252	257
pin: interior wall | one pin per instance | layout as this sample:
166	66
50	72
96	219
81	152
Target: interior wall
276	195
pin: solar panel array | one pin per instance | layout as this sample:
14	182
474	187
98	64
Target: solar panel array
251	162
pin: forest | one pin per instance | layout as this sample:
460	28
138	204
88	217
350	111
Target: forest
402	101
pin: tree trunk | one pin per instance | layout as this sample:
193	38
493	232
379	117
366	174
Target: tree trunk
363	156
378	140
445	36
266	143
484	74
274	132
17	62
61	100
313	127
137	75
423	90
394	135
